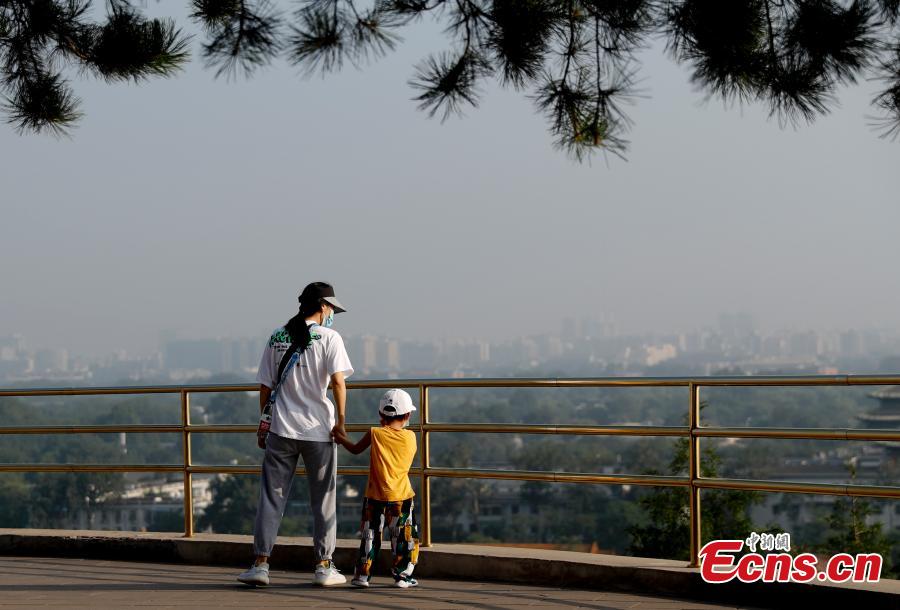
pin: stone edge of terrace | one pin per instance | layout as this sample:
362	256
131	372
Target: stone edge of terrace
519	565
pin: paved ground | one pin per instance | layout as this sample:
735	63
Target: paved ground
78	583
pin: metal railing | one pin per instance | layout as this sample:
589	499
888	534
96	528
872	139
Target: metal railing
693	431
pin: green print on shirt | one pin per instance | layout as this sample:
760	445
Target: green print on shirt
282	336
279	336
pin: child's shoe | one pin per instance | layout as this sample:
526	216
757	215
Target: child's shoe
405	582
360	581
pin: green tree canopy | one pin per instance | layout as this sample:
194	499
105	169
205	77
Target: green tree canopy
575	59
666	530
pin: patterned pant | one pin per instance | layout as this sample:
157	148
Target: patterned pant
404	531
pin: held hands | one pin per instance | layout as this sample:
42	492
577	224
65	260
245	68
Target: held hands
339	434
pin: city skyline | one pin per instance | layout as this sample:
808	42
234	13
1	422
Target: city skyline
585	347
605	324
567	328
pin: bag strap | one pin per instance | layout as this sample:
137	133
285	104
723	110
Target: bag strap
288	360
295	345
270	403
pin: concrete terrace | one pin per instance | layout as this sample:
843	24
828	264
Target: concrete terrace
84	583
122	569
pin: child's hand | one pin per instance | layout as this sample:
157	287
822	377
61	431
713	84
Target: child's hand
340	437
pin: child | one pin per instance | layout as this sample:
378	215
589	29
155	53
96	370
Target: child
389	496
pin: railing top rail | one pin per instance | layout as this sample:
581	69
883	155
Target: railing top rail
497	382
154	389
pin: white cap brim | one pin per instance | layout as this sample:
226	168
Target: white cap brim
411	409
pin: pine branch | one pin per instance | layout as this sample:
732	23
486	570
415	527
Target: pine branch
573	57
519	38
42	102
835	41
888	101
448	82
242	35
130	47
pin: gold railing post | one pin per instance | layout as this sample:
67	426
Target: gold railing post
425	500
186	454
694	473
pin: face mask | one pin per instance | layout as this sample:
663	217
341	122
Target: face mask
327	322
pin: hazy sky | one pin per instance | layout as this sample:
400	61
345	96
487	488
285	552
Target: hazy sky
204	206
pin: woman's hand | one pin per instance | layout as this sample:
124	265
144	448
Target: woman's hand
338	432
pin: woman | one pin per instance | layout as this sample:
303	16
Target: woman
303	421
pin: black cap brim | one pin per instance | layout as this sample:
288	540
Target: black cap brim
338	308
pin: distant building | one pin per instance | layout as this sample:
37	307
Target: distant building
773	346
886	415
14	362
369	352
736	325
569	331
654	354
14	343
240	354
392	355
804	344
195	354
415	356
51	360
141	507
795	511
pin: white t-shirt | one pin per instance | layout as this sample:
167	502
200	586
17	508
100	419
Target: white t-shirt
302	409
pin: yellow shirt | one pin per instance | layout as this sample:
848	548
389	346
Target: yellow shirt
390	457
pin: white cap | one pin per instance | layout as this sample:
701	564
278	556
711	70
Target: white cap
395	402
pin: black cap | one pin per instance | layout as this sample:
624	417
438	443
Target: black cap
321	291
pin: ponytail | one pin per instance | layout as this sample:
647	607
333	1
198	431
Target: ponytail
298	330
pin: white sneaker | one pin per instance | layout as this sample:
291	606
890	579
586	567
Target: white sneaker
327	575
257	575
406	583
359	582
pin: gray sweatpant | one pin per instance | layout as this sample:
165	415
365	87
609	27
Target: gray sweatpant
320	460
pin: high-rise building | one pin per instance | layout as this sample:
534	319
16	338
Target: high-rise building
414	356
569	331
804	344
392	355
236	354
205	354
773	346
736	325
851	343
54	359
369	352
12	347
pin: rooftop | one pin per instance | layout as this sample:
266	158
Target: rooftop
888	393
